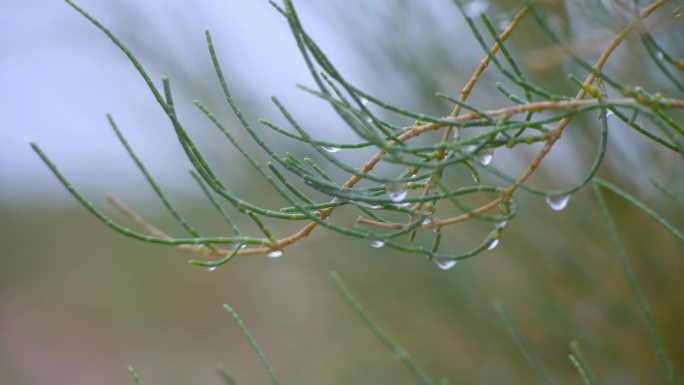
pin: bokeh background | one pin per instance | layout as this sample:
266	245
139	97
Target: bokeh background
78	303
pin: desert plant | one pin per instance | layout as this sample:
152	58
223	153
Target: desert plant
411	192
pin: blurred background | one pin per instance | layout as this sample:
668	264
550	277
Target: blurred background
78	302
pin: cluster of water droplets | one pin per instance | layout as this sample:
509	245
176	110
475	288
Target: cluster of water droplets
557	202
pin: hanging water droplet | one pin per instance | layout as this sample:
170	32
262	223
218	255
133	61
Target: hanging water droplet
501	224
242	246
275	254
366	205
457	134
444	263
331	150
493	244
469	149
212	268
426	221
485	156
475	8
376	244
369	119
660	55
557	202
396	191
364	101
402	205
609	114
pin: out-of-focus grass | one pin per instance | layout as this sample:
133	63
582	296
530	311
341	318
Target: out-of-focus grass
80	303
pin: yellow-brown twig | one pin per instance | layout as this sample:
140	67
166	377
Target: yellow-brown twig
420	128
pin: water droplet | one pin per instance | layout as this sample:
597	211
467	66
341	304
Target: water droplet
369	119
444	263
469	149
401	205
364	101
660	55
609	114
243	246
475	8
331	150
212	268
366	205
501	224
376	244
426	221
557	202
275	254
493	244
485	156
396	191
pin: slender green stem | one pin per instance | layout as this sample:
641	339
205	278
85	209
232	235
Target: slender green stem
135	376
522	344
582	360
225	376
670	371
253	342
401	354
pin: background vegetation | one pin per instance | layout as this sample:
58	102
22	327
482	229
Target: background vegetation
80	303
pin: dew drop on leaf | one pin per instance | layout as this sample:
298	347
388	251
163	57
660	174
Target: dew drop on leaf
558	202
331	150
212	268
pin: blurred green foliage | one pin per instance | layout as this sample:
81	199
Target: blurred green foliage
79	304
